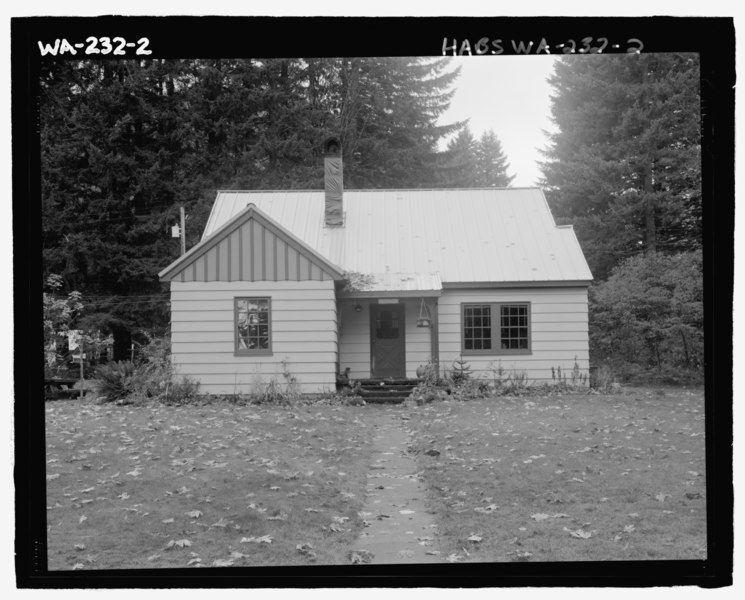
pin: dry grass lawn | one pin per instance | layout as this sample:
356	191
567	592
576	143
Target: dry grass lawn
557	478
563	478
215	485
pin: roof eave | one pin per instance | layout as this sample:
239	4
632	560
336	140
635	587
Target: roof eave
517	284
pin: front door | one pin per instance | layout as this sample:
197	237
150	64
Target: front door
387	358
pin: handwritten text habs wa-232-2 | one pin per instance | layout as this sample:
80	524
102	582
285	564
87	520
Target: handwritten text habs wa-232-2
117	46
587	45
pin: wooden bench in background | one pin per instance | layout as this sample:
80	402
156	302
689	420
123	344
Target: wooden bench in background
59	387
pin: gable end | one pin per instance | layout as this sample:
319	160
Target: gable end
251	247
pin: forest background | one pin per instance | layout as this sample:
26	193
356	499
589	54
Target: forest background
125	144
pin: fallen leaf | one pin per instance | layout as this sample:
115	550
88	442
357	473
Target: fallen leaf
360	556
579	533
486	509
184	543
223	522
407	512
264	539
194	514
167	520
222	562
306	550
474	538
661	497
539	516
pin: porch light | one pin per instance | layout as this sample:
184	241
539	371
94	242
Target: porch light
358	308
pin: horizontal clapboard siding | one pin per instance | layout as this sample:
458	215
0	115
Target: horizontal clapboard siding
303	335
354	339
559	332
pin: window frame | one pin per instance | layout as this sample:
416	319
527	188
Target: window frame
237	350
496	340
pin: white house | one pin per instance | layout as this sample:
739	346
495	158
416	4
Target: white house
378	281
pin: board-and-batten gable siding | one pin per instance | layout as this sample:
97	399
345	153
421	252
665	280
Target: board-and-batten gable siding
303	332
253	252
558	329
354	338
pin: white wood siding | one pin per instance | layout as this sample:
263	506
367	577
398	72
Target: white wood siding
354	338
558	327
303	326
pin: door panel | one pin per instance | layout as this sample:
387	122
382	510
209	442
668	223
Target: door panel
387	357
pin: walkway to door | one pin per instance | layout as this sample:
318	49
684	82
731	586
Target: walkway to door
400	529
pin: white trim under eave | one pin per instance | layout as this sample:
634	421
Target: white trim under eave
391	294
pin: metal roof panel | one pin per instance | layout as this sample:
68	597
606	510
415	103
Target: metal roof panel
488	235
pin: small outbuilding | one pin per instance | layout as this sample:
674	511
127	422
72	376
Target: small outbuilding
308	284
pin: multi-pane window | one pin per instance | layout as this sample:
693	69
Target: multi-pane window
477	327
252	326
496	328
513	322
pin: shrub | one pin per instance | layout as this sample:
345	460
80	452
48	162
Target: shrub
647	319
153	377
114	380
461	372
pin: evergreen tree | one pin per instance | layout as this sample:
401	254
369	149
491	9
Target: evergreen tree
126	143
461	168
491	162
624	166
472	163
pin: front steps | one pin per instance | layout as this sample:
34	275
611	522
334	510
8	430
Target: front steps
386	391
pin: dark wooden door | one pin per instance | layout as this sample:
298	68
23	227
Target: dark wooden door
387	355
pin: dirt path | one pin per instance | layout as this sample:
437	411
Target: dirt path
400	528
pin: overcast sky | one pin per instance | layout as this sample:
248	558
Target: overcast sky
508	94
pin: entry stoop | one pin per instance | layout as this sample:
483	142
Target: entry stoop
386	391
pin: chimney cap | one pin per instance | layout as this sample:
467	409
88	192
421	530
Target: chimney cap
332	146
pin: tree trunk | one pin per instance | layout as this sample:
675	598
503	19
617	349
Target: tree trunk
122	342
685	348
651	231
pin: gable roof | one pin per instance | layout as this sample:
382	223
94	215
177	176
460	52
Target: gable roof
250	246
483	236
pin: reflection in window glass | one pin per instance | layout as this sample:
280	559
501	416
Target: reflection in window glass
252	324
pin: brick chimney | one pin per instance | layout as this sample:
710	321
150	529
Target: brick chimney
333	181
